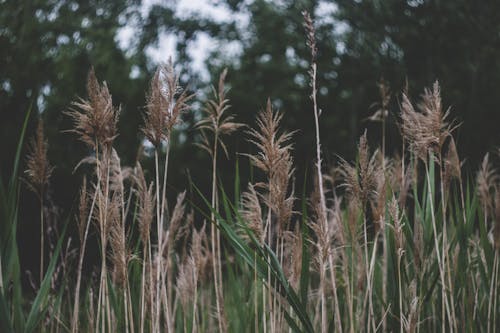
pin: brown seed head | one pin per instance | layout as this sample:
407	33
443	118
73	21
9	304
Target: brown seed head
166	101
38	169
427	129
311	34
217	121
486	179
251	213
95	119
146	199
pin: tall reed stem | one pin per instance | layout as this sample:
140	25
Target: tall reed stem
215	239
42	231
444	306
74	322
159	226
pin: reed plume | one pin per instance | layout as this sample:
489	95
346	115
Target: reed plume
95	119
428	128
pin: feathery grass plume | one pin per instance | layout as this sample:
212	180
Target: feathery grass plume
217	120
251	213
485	180
145	195
165	102
427	129
293	256
275	160
451	165
361	179
83	209
274	152
200	252
398	227
378	199
399	180
187	280
176	222
95	119
119	252
38	169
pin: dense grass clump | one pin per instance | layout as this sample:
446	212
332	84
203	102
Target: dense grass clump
383	243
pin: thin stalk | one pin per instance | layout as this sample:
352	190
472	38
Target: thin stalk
162	219
195	305
151	286
444	305
322	273
42	231
385	261
264	312
256	295
74	323
130	309
143	288
492	292
400	294
335	297
367	269
269	292
318	169
159	226
349	296
215	238
125	307
495	295
444	245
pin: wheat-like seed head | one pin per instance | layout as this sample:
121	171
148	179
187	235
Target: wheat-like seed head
486	179
95	119
398	226
428	129
176	221
38	169
275	160
145	195
83	209
311	34
399	181
165	102
251	213
362	179
451	165
217	121
292	264
119	252
187	279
